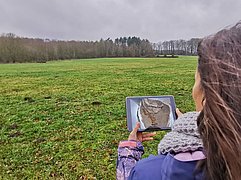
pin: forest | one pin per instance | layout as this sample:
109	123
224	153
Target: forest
15	49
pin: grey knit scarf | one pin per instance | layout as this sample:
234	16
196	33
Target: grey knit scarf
184	136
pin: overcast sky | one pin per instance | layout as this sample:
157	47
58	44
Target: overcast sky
156	20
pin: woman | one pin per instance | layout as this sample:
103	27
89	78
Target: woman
217	95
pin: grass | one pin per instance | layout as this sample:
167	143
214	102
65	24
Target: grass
64	119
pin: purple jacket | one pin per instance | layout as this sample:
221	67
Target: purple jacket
163	167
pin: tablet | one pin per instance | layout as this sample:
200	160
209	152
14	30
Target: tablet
153	112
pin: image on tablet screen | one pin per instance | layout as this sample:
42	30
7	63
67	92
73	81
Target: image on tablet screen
151	112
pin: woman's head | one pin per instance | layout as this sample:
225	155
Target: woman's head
219	67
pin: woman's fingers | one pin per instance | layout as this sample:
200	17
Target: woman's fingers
135	135
147	139
148	135
179	113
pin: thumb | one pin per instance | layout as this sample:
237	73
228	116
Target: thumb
133	134
136	127
179	113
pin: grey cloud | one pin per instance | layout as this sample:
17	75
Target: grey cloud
155	20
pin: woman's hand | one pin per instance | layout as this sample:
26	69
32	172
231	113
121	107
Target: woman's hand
139	136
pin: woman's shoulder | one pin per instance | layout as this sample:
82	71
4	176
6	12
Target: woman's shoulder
168	160
164	167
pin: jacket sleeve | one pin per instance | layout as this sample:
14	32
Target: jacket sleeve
129	152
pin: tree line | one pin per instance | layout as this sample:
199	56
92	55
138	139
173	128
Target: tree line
14	49
177	47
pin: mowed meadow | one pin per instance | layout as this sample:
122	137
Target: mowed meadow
64	119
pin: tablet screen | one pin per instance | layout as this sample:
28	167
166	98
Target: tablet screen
153	112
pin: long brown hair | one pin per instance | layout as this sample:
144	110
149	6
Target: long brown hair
219	122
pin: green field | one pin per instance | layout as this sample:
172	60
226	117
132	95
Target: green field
64	119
